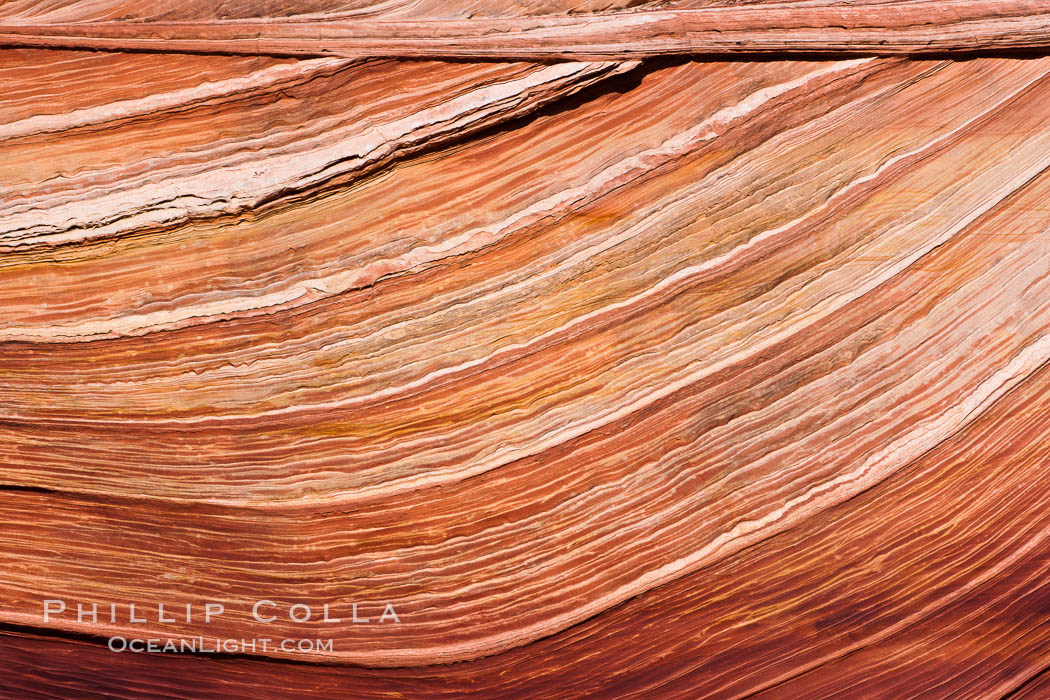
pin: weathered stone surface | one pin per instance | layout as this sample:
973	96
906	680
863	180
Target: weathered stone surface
671	377
873	27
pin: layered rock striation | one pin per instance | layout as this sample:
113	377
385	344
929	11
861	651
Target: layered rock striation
613	373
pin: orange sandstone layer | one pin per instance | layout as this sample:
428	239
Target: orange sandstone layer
613	378
868	28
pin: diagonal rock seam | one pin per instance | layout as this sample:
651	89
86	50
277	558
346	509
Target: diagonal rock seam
904	28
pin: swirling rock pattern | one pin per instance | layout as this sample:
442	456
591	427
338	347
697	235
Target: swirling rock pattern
615	375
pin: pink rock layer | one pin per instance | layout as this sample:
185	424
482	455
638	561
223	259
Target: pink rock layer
868	28
662	378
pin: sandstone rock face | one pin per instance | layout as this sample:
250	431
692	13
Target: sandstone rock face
584	348
455	30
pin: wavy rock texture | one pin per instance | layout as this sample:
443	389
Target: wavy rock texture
672	377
